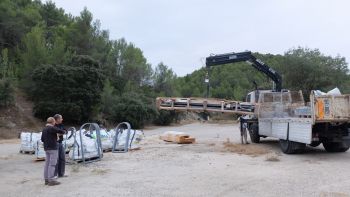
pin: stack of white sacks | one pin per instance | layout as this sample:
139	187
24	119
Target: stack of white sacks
28	141
31	142
39	150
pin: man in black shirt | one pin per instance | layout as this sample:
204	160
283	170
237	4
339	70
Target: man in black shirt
61	162
49	138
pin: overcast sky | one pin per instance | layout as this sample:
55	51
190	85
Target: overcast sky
181	33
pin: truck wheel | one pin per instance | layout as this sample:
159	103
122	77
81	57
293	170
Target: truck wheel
254	133
315	144
289	147
335	146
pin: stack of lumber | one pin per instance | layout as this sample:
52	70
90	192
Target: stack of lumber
177	137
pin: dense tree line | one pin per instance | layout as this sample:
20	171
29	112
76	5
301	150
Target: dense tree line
67	64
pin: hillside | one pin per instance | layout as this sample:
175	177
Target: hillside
18	117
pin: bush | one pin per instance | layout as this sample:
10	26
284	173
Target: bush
72	90
133	108
70	111
6	93
165	117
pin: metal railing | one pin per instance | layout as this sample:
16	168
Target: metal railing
96	128
120	129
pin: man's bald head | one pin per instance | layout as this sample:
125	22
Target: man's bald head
50	120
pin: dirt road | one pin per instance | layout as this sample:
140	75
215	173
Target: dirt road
214	166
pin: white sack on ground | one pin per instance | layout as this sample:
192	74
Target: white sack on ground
106	139
39	149
134	141
90	148
28	141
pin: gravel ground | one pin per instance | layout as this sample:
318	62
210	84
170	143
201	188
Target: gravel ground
216	165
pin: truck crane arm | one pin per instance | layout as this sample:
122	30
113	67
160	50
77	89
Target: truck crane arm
251	59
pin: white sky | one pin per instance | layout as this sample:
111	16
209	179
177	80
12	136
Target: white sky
181	33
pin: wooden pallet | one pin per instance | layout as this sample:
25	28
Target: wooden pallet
87	159
27	152
107	150
39	159
177	137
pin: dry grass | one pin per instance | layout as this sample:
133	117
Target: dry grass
272	157
245	149
75	168
10	141
100	171
211	144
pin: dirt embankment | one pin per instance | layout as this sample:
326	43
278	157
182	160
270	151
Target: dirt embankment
18	117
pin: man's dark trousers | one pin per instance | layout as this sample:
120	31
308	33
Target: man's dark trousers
61	162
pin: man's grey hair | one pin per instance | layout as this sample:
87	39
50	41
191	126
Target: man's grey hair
57	116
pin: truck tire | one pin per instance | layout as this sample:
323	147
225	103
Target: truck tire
290	147
334	147
315	144
254	133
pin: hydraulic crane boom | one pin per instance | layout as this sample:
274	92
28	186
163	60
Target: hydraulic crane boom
248	57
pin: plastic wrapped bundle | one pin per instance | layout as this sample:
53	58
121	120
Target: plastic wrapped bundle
28	141
39	150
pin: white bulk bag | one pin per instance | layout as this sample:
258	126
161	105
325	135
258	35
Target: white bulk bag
106	139
89	145
39	150
28	141
134	140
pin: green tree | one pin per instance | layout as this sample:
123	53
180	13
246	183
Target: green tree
308	69
126	66
6	93
73	90
35	52
164	80
7	68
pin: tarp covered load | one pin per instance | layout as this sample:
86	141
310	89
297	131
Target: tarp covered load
334	92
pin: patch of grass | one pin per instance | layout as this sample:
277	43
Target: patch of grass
251	149
75	168
272	157
99	171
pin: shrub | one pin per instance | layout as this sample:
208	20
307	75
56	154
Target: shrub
71	90
6	93
133	108
164	117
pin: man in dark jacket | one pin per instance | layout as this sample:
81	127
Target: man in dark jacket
49	138
61	162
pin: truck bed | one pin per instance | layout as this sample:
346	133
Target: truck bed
331	108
